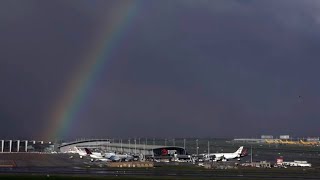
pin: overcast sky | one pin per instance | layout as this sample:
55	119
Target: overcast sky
184	68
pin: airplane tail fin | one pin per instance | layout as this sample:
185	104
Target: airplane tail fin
302	142
87	151
77	150
244	152
239	151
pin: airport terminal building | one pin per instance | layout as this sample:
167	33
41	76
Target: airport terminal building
10	146
129	148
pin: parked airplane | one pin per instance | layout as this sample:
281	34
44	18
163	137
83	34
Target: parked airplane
286	141
226	156
118	157
108	156
272	141
96	155
312	143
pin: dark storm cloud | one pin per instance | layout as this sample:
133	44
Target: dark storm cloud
184	68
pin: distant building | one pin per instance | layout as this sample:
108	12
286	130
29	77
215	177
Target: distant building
106	145
285	137
313	139
25	146
266	137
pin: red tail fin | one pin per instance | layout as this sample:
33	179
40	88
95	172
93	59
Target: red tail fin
87	151
244	152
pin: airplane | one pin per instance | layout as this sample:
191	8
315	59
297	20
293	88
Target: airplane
312	143
118	157
108	156
96	155
277	141
288	142
272	141
226	156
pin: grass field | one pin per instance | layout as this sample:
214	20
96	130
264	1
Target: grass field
245	173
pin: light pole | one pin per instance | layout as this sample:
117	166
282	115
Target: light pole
121	145
197	148
154	141
208	148
135	146
251	154
129	145
184	145
117	148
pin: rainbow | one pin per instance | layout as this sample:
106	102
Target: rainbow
78	88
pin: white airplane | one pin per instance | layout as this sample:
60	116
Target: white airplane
226	156
108	156
118	157
95	155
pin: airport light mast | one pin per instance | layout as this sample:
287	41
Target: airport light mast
251	154
121	145
135	146
197	148
129	145
208	148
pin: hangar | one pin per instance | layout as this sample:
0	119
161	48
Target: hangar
108	146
